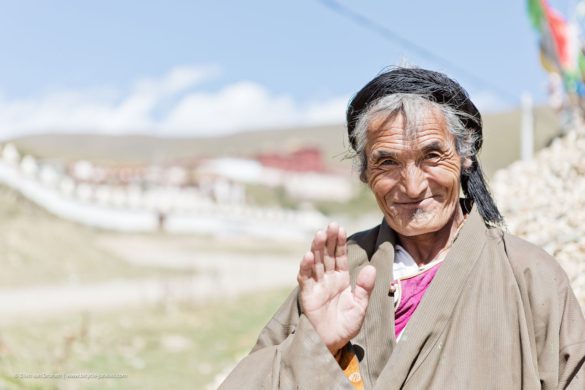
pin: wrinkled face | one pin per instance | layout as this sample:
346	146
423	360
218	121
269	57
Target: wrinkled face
415	175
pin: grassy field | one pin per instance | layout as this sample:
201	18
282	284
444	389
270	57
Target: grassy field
173	347
38	248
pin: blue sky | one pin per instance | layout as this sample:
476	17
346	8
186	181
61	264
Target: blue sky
206	68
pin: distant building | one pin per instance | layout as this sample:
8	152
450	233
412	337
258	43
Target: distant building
306	159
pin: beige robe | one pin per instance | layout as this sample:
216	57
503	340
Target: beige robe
499	314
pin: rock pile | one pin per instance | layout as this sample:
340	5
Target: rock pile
543	201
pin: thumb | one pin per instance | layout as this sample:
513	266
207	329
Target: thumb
365	284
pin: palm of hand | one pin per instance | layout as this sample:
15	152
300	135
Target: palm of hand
335	311
332	309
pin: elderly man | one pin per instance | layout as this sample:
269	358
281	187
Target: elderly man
437	296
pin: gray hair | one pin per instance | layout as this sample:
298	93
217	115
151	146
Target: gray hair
412	107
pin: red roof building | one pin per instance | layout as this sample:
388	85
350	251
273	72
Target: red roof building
308	159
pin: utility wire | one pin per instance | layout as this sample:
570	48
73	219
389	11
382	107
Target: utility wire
408	45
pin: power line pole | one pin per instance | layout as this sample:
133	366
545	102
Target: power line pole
527	128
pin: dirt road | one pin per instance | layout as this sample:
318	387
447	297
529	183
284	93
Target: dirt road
208	276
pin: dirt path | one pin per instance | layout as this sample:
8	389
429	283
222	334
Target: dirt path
214	270
219	276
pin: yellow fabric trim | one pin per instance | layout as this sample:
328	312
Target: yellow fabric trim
350	365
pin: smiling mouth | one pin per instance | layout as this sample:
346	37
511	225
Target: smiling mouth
413	203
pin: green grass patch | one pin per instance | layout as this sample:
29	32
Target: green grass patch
178	346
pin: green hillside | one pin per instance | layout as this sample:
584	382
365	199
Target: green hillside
501	144
38	248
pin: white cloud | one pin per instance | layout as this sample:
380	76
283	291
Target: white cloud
246	105
235	107
169	105
176	80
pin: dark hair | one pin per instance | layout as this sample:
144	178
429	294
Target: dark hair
440	89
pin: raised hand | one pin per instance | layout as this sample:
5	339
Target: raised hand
335	311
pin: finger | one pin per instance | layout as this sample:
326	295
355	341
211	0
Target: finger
332	231
318	248
364	285
330	245
306	267
341	263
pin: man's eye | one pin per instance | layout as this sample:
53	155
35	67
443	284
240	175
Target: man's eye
433	157
387	162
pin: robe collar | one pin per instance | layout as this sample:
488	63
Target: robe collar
390	363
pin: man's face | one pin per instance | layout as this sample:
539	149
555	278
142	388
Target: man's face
415	175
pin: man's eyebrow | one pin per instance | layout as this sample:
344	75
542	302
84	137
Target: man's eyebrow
435	146
380	154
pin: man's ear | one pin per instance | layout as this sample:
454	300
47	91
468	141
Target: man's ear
466	163
364	177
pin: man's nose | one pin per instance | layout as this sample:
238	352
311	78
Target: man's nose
414	181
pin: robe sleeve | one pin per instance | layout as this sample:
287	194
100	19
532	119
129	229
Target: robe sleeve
289	354
572	344
557	319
